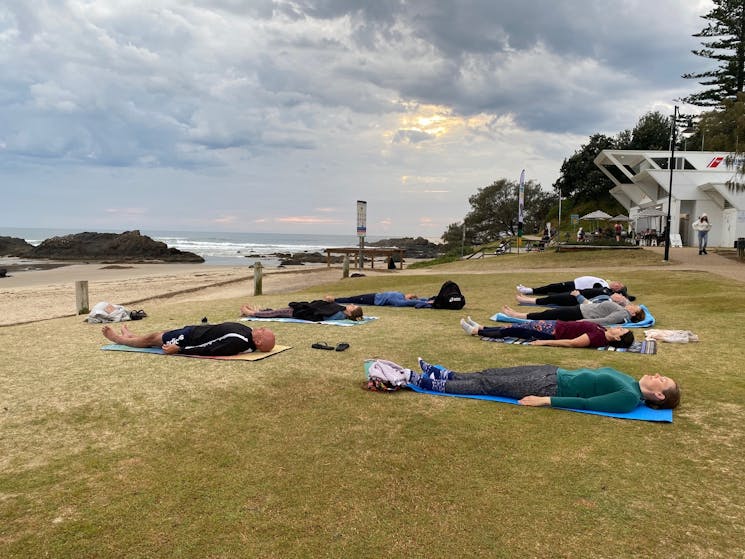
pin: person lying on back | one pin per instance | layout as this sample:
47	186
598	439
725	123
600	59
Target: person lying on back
385	299
227	338
314	311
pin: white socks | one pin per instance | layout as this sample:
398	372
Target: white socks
469	326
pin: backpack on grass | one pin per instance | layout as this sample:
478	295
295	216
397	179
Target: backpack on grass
449	297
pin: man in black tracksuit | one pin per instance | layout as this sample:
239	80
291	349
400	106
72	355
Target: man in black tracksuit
227	338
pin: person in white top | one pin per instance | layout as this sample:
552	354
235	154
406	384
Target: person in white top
703	227
580	283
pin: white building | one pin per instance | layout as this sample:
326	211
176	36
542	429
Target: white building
642	180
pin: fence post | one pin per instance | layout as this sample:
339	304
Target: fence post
81	297
345	267
258	278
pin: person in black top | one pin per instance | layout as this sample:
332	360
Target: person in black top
314	311
227	338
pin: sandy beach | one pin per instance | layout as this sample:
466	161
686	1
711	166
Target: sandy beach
28	296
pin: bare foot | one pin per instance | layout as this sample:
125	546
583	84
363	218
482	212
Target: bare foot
525	300
110	334
329	298
510	312
126	332
248	310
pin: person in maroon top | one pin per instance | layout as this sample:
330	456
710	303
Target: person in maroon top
558	333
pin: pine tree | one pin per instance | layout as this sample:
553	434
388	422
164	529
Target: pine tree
725	43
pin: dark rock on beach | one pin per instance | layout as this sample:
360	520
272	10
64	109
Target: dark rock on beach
415	248
302	258
129	246
13	246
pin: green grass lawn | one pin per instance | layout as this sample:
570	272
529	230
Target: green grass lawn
106	454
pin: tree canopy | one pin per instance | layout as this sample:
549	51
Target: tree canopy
494	211
724	42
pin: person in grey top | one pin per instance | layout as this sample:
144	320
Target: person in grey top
604	313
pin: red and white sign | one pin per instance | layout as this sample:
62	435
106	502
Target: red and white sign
715	162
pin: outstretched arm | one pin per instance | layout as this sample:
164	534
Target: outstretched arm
579	341
535	401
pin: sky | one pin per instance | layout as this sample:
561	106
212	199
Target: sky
278	115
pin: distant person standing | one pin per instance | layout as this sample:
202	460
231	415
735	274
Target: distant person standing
703	227
618	229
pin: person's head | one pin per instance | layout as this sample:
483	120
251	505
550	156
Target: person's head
619	337
636	313
263	339
660	391
704	217
353	312
619	298
410	296
616	286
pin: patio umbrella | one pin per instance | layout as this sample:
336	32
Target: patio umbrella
596	215
620	217
649	214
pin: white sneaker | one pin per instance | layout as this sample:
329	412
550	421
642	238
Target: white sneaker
473	323
524	290
470	330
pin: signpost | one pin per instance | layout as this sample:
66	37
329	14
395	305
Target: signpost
361	228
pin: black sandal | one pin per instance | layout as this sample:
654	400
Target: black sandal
342	346
322	345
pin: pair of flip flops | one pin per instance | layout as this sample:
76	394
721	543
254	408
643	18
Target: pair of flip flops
323	345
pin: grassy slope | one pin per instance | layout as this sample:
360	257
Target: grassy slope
106	454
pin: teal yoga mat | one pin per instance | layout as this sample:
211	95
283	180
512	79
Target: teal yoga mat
249	356
344	322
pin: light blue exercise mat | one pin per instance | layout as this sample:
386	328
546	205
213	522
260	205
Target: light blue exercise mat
247	356
345	322
646	323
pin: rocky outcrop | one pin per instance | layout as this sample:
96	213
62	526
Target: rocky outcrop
302	258
13	246
129	246
415	248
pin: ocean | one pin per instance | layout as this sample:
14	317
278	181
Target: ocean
217	248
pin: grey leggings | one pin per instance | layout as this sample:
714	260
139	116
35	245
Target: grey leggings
510	382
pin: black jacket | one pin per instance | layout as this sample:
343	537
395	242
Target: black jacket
315	311
228	338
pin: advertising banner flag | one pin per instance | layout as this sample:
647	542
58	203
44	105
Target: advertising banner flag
521	204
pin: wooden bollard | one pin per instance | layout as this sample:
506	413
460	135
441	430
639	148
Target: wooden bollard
258	278
81	297
345	267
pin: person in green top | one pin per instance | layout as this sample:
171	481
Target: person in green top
603	389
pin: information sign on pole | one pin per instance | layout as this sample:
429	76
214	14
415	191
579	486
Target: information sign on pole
361	218
361	228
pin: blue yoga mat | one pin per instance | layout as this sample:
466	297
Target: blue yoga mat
345	322
646	323
641	413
